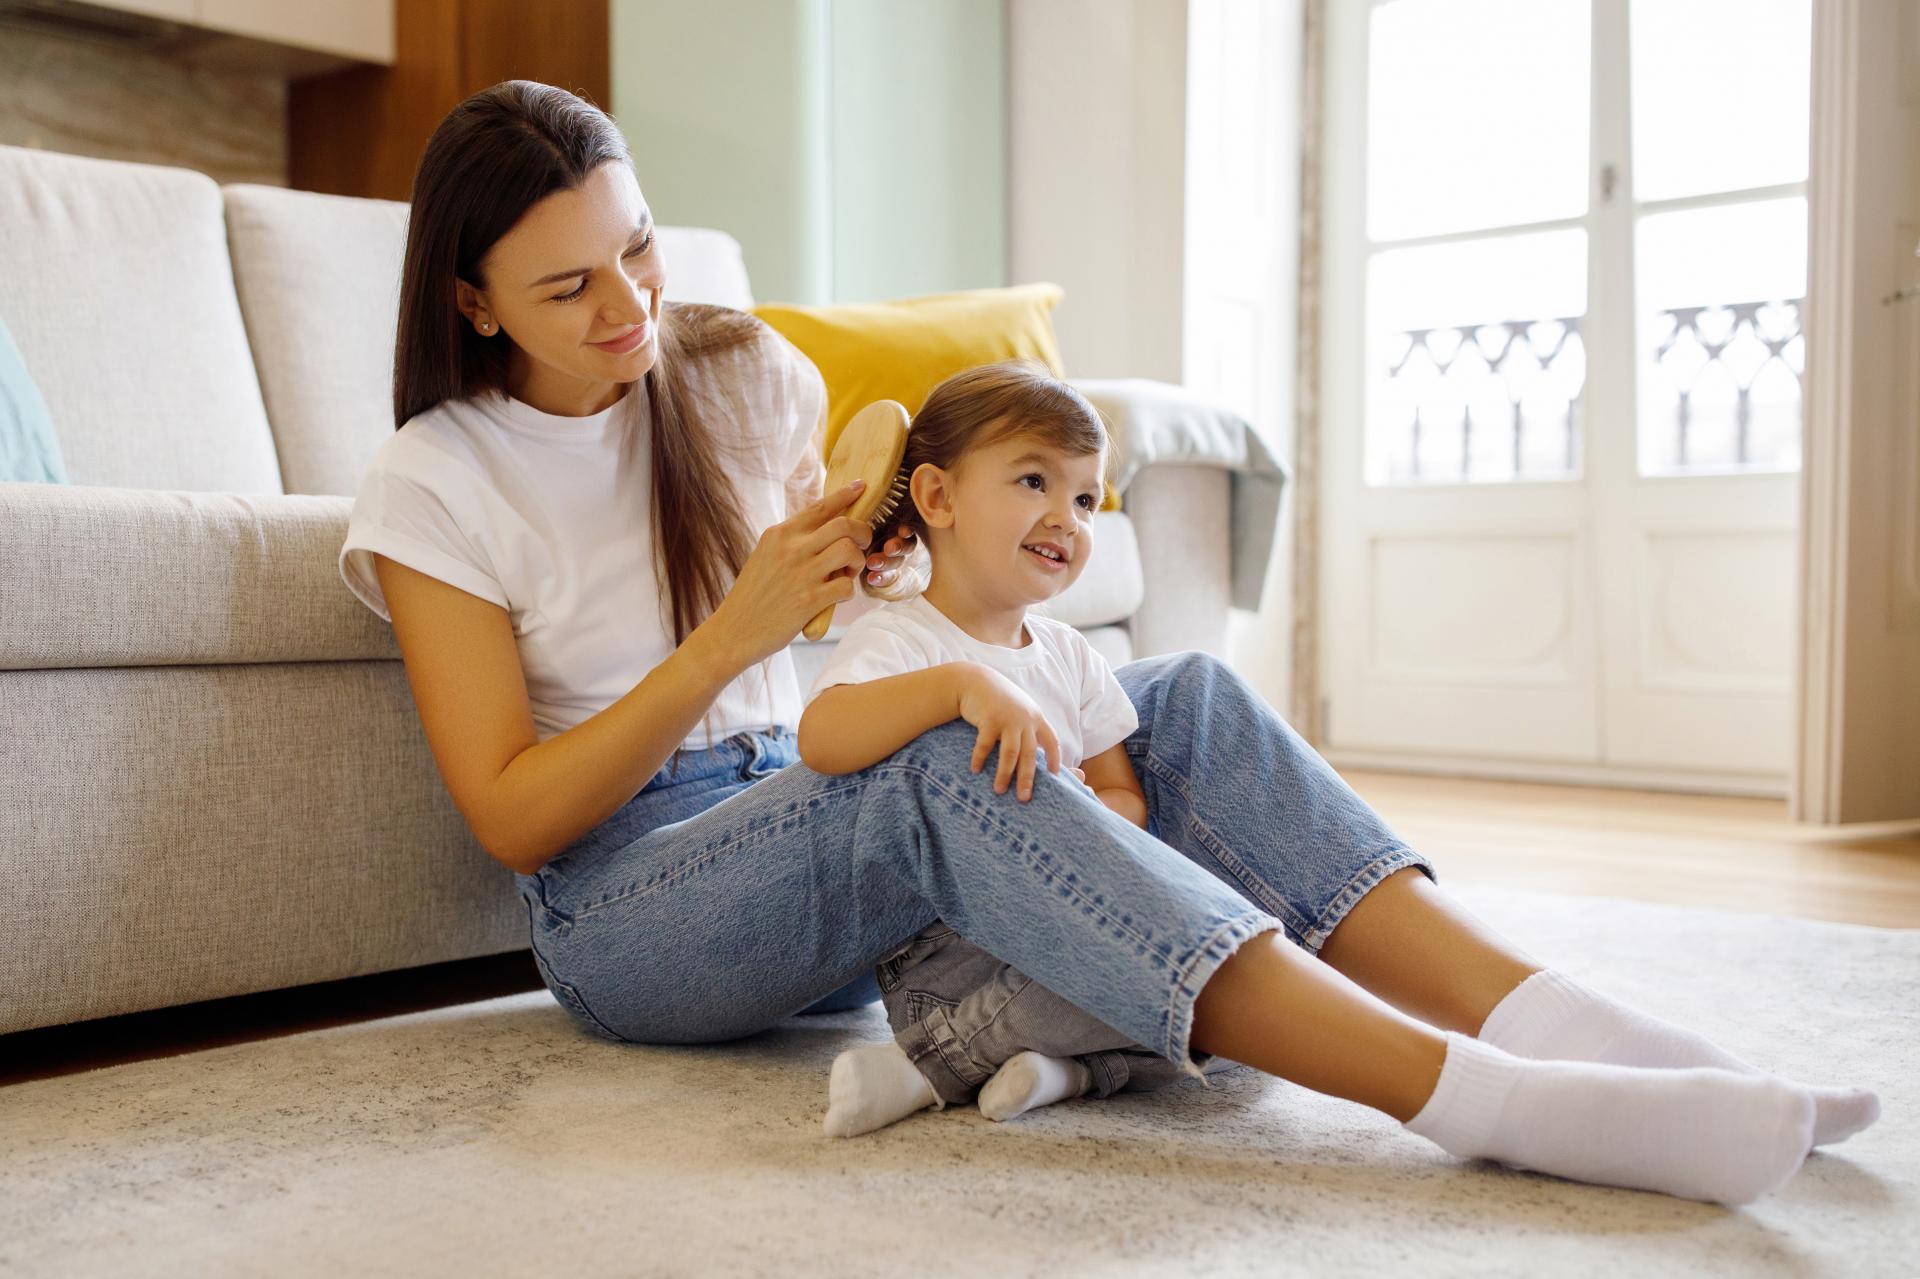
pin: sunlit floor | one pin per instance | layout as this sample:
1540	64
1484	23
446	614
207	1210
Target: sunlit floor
1684	850
1730	854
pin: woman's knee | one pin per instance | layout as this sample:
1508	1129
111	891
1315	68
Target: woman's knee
1185	666
945	748
1189	677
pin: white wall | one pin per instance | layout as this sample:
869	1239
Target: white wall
1096	151
1161	237
1242	283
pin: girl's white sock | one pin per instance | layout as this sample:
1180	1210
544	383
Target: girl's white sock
1700	1133
1029	1080
871	1087
1551	1015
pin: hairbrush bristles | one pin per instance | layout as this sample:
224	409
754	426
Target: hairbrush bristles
896	493
870	448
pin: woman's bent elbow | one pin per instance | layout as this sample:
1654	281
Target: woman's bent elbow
821	760
522	865
518	863
511	852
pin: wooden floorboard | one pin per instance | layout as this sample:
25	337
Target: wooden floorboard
1688	850
1691	850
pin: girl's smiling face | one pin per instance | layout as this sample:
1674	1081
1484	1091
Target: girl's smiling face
1013	521
578	271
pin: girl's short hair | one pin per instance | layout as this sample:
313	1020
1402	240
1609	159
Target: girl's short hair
977	409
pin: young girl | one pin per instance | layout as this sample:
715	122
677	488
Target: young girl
1008	523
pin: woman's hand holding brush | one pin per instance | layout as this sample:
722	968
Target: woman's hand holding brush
799	566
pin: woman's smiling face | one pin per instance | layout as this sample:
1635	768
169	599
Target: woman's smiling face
579	270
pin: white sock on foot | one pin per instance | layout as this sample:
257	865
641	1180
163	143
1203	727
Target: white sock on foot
1550	1015
1027	1081
871	1087
1699	1133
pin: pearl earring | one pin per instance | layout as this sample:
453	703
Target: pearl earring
487	327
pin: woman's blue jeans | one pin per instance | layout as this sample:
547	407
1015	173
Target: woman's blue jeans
748	887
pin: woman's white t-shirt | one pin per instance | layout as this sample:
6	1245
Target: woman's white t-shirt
551	518
1059	668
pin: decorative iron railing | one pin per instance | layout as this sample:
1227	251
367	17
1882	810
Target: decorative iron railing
1497	385
1740	342
1501	400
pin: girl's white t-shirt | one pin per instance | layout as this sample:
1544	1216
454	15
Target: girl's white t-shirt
551	518
1059	668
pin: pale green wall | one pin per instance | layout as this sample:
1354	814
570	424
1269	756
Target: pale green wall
855	148
724	106
919	116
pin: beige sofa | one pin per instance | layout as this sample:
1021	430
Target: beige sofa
212	780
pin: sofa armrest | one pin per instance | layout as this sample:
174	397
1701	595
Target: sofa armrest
1180	521
1161	424
98	577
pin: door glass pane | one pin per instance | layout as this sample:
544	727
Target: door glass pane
1721	292
1720	94
1475	359
1476	114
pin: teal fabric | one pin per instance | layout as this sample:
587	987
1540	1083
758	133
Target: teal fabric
29	450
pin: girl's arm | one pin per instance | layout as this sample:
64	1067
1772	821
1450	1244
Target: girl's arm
850	726
1111	775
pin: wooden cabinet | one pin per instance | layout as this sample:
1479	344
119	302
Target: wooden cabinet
360	131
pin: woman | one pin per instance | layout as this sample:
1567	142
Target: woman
596	531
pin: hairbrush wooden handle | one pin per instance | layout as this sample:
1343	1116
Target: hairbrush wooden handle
869	448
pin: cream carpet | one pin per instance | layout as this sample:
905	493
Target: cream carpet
493	1138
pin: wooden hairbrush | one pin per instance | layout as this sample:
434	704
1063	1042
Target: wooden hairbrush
869	448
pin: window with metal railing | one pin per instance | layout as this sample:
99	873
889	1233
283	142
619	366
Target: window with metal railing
1487	230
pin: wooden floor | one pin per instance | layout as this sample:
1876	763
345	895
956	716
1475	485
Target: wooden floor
1687	850
1729	854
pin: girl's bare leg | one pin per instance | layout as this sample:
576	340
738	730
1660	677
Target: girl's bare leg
1276	1008
1411	944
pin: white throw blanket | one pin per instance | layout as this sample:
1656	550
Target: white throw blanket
1160	422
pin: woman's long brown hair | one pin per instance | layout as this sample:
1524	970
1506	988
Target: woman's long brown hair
495	156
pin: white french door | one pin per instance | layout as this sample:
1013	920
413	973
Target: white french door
1565	260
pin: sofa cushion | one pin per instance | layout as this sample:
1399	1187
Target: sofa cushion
901	350
119	291
95	576
319	282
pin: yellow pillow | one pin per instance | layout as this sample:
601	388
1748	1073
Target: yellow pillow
901	350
